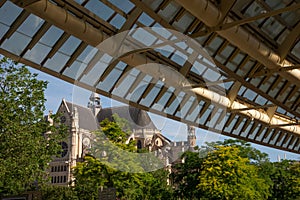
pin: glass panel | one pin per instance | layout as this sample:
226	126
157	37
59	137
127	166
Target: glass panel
100	9
110	80
150	97
16	38
249	94
211	75
291	17
57	62
31	25
183	23
70	46
275	138
212	122
163	100
80	1
253	10
165	50
259	138
205	115
253	134
275	4
9	13
75	70
229	128
169	11
238	129
144	37
215	44
198	68
97	70
153	4
256	81
221	124
87	55
118	21
172	108
245	133
283	94
242	90
51	36
138	91
246	68
296	50
264	87
272	27
124	5
165	33
283	35
269	136
275	90
145	19
38	53
3	29
261	100
179	58
184	108
125	85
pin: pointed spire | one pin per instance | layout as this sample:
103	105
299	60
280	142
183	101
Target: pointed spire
94	103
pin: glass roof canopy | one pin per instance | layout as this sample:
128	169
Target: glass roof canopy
163	57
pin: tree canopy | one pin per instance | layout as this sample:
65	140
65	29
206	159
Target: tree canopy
25	151
227	175
103	171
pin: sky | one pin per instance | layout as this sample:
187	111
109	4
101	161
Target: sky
176	131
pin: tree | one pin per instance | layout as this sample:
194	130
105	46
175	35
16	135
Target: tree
117	167
285	176
58	193
185	175
227	175
188	178
25	151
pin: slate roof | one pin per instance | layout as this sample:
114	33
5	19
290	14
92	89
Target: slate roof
87	120
138	119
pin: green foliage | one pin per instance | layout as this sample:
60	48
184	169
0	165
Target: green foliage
285	176
92	174
231	169
246	151
25	151
104	169
227	175
58	193
185	176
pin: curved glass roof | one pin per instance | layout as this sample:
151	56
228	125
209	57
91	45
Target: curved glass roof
163	56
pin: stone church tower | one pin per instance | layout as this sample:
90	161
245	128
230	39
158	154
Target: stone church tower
191	136
94	104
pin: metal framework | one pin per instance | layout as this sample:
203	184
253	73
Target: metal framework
150	54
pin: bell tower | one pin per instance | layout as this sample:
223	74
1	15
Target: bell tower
191	136
94	103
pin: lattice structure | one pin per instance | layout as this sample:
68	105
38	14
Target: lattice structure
245	86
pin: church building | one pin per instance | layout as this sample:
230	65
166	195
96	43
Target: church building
83	121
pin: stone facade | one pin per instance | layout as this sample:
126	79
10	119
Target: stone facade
82	121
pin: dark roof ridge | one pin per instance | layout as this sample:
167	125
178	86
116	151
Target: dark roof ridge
74	104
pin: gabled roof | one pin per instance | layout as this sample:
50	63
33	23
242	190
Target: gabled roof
138	119
87	120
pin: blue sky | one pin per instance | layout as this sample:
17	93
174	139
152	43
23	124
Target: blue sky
176	131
